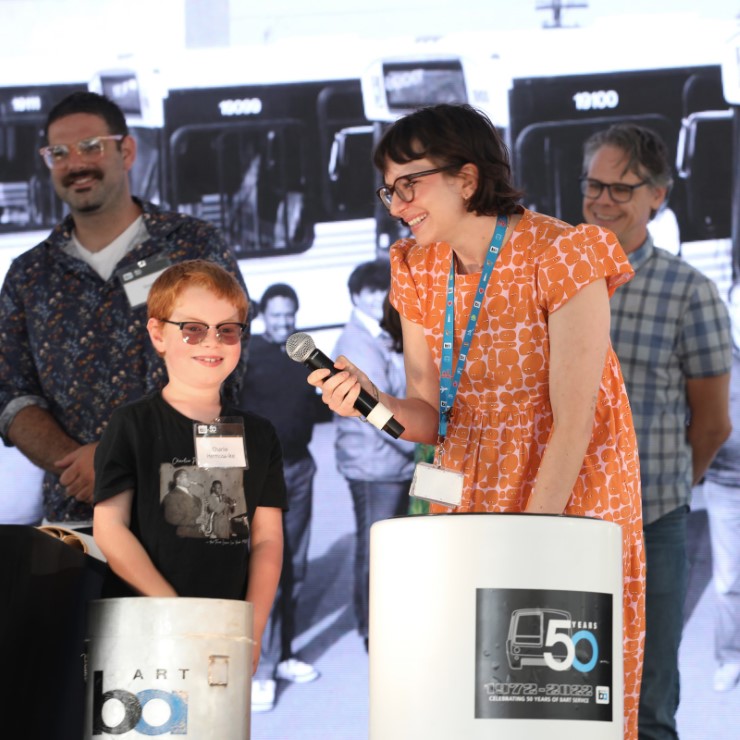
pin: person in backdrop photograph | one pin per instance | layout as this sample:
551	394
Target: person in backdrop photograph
220	507
391	324
274	386
721	492
160	547
378	468
72	309
540	421
670	330
182	507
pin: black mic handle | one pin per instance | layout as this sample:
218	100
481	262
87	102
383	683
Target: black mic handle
365	403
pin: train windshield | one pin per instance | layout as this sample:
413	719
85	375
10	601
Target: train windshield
248	179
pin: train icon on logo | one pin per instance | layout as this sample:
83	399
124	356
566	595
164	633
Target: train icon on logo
528	641
545	637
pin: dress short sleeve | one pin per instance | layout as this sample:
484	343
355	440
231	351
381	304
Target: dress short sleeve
578	257
404	294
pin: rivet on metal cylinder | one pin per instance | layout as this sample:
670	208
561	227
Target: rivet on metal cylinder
218	670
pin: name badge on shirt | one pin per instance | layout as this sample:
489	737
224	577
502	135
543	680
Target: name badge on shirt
220	444
138	278
437	484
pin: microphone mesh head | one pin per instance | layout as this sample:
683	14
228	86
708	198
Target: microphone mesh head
299	346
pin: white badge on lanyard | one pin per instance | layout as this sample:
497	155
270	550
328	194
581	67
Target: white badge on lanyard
220	444
434	483
138	278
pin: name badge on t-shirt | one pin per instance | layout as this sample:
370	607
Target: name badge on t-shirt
138	278
220	444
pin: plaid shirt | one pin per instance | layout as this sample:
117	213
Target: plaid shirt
668	325
71	343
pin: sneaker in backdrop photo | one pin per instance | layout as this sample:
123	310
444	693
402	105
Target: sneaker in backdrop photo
296	671
263	695
727	677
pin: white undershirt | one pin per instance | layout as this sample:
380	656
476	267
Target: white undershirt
369	322
105	260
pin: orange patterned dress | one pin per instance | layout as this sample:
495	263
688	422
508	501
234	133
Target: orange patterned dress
502	418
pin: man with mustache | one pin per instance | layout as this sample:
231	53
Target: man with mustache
73	340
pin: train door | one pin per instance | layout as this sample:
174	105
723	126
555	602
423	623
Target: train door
267	163
346	144
27	198
701	158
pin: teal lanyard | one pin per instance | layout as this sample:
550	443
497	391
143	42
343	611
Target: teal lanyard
448	384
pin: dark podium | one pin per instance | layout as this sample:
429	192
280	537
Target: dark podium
45	587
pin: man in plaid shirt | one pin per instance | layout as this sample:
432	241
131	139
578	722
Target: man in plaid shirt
671	334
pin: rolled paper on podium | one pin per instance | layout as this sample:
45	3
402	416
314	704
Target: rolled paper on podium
496	625
68	536
79	540
169	666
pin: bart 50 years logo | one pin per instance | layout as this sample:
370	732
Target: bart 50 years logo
175	722
549	637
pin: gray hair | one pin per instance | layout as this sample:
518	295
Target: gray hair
646	153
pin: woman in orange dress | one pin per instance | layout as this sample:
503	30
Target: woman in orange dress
539	420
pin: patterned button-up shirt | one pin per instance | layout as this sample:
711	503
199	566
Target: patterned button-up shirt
71	343
668	324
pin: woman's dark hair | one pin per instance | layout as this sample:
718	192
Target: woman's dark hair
455	135
391	322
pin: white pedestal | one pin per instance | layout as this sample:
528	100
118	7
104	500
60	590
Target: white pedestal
496	625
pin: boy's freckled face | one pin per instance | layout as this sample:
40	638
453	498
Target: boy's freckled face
197	365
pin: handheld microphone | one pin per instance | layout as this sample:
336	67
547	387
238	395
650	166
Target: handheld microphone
301	348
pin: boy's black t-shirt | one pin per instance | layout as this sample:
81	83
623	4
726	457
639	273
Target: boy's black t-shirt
189	519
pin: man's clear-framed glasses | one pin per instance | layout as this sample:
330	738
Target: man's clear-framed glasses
619	192
57	155
403	186
194	332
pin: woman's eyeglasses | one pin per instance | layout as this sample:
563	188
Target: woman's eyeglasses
403	186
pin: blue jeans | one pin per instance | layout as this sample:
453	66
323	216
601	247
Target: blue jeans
665	593
373	501
277	639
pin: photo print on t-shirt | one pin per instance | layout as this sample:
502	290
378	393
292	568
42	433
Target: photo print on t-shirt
204	502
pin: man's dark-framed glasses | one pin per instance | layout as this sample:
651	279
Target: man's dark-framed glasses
619	192
403	186
194	332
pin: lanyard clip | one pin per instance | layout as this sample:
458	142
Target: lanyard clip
439	451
